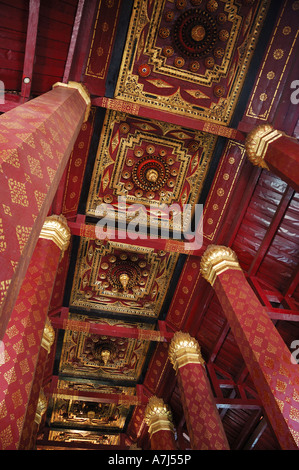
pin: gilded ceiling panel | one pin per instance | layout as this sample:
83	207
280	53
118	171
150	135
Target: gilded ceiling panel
149	164
190	56
77	412
103	357
123	279
86	437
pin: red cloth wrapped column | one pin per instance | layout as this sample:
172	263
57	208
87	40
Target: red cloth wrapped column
36	140
202	418
275	151
24	343
266	356
159	419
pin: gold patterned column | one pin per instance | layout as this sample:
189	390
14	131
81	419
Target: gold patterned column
159	419
273	150
266	356
202	418
37	139
29	338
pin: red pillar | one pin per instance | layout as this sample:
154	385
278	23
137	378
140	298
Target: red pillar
275	151
24	350
202	418
266	356
159	419
36	140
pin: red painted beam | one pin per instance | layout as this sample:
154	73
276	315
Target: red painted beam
98	397
34	6
65	323
283	314
238	403
152	113
79	228
74	39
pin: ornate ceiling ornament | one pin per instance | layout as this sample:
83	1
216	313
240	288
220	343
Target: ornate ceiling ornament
124	275
217	259
183	350
257	142
56	229
151	173
195	33
158	416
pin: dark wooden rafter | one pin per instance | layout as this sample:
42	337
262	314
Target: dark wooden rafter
286	310
74	39
34	6
11	99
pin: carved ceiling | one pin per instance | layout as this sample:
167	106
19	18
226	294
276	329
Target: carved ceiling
190	57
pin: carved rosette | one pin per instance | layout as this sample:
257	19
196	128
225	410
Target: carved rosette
56	229
183	350
158	416
82	89
257	143
217	259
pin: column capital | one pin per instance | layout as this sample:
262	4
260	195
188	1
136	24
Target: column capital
56	229
41	407
257	142
217	259
82	90
48	336
183	350
158	416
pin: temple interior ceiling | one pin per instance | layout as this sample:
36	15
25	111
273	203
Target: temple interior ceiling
189	58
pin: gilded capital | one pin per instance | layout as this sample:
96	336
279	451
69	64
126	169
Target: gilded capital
48	336
56	229
184	349
158	416
257	142
217	259
41	407
82	89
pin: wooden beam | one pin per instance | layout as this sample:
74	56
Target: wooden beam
80	229
238	403
252	441
99	397
283	314
34	6
73	43
64	323
152	113
239	212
